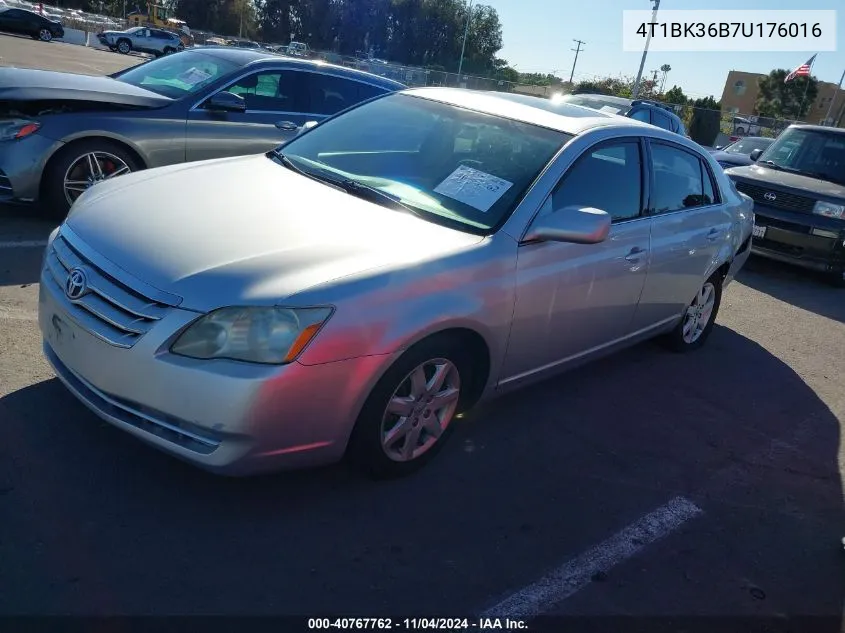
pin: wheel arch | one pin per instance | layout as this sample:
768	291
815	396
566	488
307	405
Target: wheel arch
81	137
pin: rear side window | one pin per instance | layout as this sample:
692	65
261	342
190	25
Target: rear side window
585	184
661	120
641	115
273	91
681	180
330	94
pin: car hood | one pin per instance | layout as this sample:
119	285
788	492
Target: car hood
246	230
730	157
26	84
800	184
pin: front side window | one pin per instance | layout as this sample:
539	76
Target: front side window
179	75
587	182
678	182
641	115
450	165
273	91
661	120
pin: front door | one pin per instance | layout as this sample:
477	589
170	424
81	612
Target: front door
576	298
689	225
276	106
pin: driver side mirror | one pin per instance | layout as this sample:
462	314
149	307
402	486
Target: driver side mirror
756	154
719	146
225	102
577	225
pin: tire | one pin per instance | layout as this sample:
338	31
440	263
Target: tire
124	47
113	49
55	203
169	51
677	340
366	451
45	35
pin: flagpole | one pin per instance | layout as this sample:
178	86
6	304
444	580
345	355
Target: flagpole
804	98
833	98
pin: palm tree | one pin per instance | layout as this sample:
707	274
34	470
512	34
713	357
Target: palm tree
665	68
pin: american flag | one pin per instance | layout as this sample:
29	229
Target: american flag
802	71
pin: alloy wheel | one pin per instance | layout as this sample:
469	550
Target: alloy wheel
420	410
89	169
699	313
123	47
45	35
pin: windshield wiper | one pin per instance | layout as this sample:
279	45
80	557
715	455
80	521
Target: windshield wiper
372	194
772	164
287	162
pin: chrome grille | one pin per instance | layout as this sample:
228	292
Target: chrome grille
110	310
783	200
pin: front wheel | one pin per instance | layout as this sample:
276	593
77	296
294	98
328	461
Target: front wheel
45	35
78	167
699	317
123	46
409	415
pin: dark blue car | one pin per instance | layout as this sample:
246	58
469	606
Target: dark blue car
738	153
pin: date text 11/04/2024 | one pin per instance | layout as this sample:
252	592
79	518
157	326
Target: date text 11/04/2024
416	624
729	29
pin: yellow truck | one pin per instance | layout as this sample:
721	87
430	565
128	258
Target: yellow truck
159	16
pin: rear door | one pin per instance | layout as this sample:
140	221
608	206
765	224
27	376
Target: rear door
689	224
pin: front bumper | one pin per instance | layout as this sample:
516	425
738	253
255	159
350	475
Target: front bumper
224	416
21	164
803	239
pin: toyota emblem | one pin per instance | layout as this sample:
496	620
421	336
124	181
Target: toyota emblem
771	197
76	285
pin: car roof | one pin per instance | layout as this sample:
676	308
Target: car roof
597	95
818	128
258	57
574	121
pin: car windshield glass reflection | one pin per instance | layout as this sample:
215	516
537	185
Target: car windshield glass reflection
178	75
451	165
816	153
748	145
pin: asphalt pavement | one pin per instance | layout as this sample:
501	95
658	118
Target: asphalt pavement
649	484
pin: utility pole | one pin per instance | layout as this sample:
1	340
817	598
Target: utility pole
464	45
636	89
577	50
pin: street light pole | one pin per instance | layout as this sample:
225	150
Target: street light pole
464	45
636	89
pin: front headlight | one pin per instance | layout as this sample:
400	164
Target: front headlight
268	335
829	210
12	129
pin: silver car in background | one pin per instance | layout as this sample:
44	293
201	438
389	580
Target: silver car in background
142	39
352	291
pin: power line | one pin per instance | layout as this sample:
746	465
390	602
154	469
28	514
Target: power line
575	61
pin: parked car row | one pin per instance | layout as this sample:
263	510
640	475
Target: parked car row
272	263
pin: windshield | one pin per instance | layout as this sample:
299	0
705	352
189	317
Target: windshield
597	102
748	145
178	75
450	165
816	153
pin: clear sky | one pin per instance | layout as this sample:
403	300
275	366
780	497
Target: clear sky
538	37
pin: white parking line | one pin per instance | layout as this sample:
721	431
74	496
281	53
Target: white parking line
574	575
23	244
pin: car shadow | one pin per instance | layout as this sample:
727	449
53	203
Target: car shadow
802	288
103	524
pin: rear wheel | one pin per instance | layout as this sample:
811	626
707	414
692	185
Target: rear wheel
78	167
699	317
409	415
124	46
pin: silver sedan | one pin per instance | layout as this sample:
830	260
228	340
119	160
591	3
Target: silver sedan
352	292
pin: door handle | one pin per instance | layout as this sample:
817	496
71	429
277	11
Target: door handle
635	254
287	126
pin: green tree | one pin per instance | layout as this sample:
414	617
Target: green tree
785	100
675	95
707	103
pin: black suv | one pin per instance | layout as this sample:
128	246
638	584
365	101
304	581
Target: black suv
798	188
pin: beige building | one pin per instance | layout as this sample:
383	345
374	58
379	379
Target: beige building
740	97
